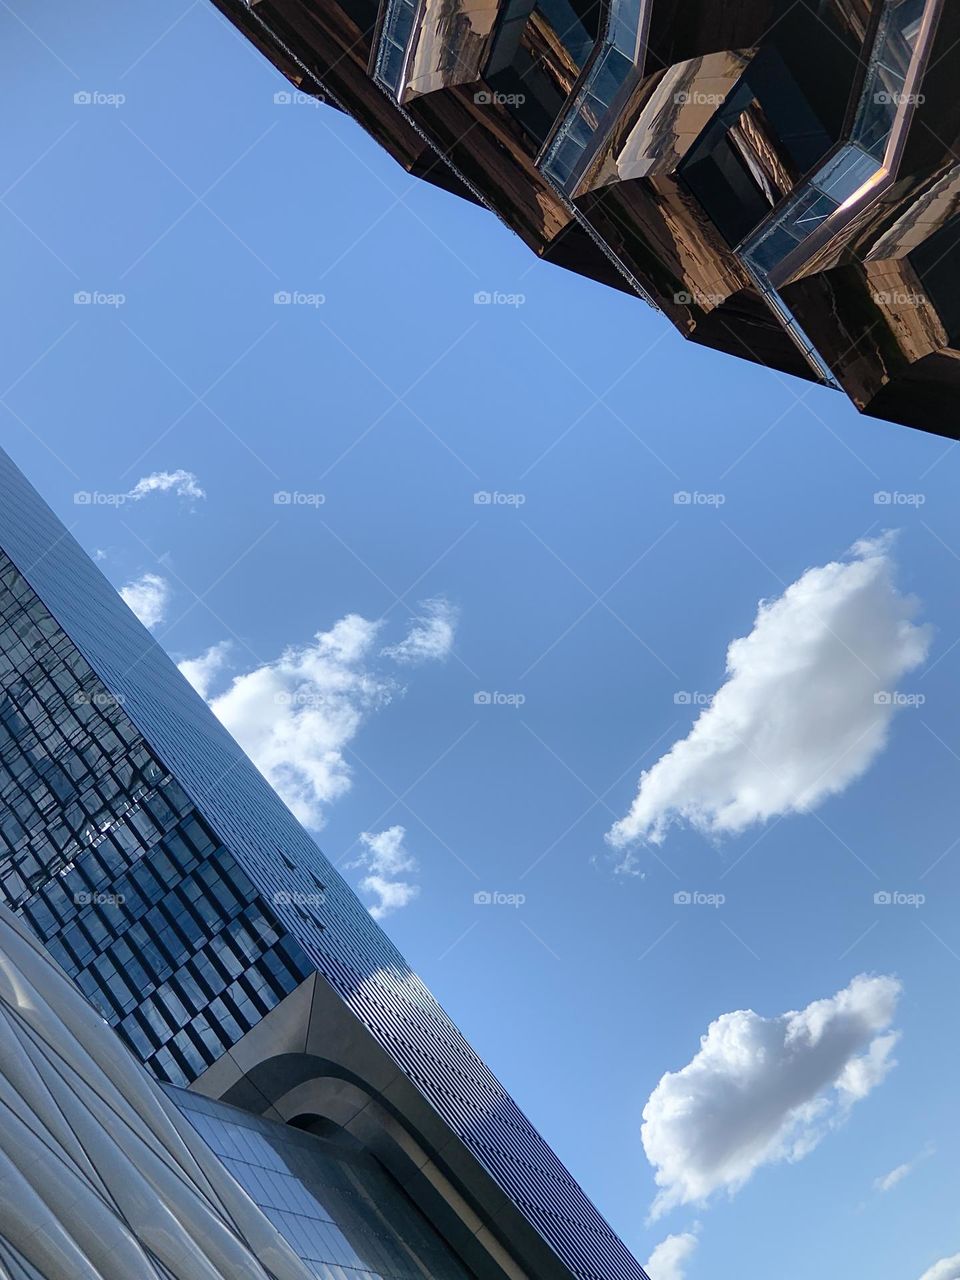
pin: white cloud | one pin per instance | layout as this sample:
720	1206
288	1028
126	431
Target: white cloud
148	596
203	671
183	483
385	858
669	1259
296	716
890	1180
798	718
430	639
945	1269
763	1090
897	1175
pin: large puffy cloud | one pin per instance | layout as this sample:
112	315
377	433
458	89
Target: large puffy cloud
183	483
945	1269
149	598
385	858
295	717
669	1259
803	711
430	638
762	1090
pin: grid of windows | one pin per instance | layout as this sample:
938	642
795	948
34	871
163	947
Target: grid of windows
106	857
294	913
338	1208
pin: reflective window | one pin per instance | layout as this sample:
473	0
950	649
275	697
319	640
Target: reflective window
336	1206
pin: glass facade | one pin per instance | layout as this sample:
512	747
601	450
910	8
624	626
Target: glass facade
860	160
105	856
338	1208
168	877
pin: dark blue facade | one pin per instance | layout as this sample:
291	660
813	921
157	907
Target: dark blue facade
170	880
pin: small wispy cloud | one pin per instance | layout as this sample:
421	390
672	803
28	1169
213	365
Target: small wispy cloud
897	1175
149	597
385	859
183	483
430	638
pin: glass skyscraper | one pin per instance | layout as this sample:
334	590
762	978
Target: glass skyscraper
170	882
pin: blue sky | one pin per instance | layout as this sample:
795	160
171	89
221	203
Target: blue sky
585	596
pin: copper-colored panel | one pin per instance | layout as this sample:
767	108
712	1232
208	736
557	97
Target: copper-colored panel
450	46
665	115
756	143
